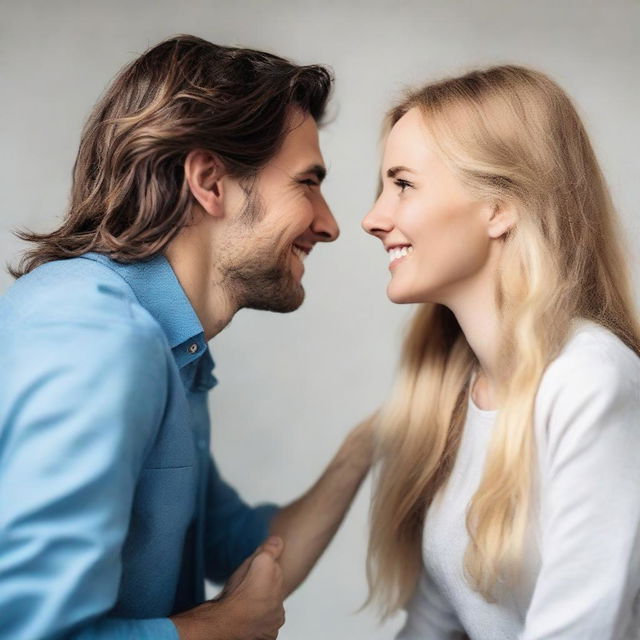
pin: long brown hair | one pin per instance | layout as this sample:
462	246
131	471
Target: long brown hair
129	197
509	134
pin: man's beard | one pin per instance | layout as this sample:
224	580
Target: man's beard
264	280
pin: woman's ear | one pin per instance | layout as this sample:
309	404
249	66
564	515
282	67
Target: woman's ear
503	219
204	171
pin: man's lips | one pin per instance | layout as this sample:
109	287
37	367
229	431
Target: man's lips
303	247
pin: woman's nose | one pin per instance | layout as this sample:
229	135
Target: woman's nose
377	222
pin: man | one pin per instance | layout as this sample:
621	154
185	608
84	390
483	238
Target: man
196	193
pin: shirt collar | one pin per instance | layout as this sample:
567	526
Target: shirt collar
158	290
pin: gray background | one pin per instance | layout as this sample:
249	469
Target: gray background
291	386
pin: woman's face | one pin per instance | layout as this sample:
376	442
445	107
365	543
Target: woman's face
434	230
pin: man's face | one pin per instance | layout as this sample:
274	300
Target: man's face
283	215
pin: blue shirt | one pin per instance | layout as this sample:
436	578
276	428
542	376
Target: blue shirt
112	511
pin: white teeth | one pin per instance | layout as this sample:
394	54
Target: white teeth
300	253
399	252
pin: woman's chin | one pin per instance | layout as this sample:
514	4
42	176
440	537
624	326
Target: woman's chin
399	295
411	295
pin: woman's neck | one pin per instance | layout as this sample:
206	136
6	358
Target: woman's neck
477	314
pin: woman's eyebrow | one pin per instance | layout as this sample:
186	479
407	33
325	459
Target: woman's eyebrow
393	171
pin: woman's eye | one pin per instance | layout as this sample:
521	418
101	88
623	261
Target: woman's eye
403	184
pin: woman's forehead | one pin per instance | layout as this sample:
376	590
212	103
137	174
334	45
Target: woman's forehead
407	143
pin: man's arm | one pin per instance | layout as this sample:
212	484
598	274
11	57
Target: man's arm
308	524
234	530
73	436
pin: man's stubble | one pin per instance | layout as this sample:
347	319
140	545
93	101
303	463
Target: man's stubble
259	276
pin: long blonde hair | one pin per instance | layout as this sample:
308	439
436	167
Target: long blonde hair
511	135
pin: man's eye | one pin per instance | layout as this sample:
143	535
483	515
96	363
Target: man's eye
310	183
403	184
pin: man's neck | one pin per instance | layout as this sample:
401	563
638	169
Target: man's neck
192	262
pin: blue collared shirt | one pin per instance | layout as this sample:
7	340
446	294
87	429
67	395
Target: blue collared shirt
112	511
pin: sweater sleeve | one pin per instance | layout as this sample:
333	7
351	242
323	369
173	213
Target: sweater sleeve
590	499
429	615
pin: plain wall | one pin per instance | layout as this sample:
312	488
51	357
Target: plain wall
291	386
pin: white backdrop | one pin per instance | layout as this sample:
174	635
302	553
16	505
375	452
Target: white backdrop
292	385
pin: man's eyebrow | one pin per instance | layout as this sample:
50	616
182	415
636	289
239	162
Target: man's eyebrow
394	171
317	170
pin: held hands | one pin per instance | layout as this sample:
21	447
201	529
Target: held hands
250	605
256	588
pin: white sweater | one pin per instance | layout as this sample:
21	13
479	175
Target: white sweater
582	571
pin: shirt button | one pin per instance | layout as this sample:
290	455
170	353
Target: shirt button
202	444
193	347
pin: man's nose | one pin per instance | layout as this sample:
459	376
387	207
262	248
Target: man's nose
377	222
324	224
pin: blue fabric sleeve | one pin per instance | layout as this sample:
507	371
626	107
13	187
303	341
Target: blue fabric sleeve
233	529
80	406
118	629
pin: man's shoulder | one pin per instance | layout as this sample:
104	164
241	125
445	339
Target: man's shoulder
77	322
78	292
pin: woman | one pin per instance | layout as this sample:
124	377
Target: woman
507	503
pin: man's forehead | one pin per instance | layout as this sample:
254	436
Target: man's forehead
301	146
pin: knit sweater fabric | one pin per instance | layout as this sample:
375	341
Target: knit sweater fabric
580	576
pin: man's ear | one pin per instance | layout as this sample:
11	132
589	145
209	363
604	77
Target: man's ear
204	171
502	219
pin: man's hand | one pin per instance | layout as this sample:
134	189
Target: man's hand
249	607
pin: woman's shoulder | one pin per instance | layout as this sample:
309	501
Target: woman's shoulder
595	369
594	351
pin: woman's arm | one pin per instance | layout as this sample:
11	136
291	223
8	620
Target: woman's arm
590	502
308	524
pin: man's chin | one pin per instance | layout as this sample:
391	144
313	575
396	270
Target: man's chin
279	303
